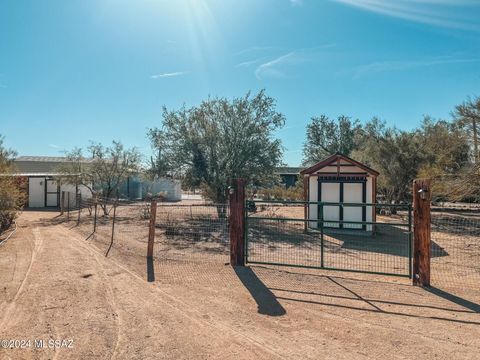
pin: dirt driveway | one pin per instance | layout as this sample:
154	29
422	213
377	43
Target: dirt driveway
55	285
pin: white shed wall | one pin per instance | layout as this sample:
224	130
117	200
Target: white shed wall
69	188
172	188
36	192
313	194
351	213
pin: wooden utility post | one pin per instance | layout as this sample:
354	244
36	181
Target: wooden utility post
421	232
237	222
151	231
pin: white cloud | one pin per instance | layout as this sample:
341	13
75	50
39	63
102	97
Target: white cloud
254	49
272	68
440	13
385	66
249	63
167	75
277	68
54	146
296	2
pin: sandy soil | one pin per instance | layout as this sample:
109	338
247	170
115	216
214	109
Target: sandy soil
57	285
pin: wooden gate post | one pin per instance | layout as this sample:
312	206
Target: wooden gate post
306	206
237	222
151	231
421	232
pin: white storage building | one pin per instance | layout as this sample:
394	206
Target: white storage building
347	186
43	190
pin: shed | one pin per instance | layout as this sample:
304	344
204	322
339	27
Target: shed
348	185
38	174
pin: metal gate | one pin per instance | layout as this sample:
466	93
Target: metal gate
302	234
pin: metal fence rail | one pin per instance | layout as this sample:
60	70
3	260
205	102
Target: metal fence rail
278	234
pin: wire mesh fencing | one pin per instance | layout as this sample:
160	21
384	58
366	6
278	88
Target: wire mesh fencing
195	232
192	232
113	225
455	248
281	234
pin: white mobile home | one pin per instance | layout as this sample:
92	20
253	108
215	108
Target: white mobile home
38	174
347	187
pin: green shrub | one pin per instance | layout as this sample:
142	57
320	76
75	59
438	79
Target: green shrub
11	201
12	197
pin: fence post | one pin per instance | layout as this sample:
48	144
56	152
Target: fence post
306	184
68	206
62	205
421	232
151	228
113	227
95	215
237	222
79	206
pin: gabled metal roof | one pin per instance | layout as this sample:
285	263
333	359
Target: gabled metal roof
333	159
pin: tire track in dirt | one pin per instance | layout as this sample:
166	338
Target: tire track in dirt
110	298
192	315
113	306
37	246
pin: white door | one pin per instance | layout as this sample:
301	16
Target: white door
352	193
331	193
36	192
52	193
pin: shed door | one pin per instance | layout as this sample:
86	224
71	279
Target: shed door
352	193
52	193
330	193
36	192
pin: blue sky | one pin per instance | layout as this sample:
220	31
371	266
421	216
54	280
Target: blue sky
80	70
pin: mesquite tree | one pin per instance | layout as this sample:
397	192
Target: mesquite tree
327	136
221	139
103	172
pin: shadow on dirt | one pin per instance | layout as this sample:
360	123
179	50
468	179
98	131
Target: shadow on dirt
335	298
265	299
150	269
453	298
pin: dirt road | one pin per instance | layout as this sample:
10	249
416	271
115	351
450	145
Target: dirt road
55	285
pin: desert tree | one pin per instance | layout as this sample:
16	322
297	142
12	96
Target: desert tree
467	115
221	139
446	150
11	196
327	136
465	186
396	154
103	171
159	164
